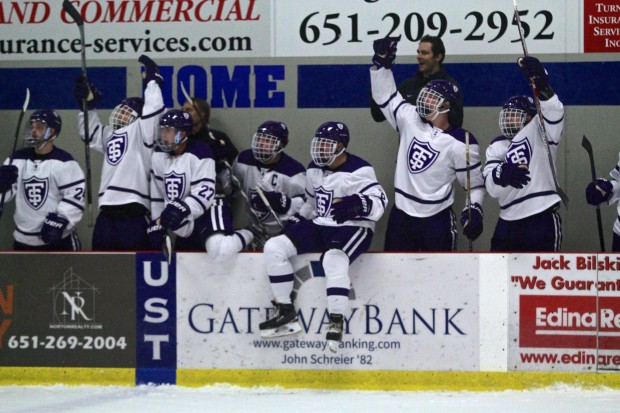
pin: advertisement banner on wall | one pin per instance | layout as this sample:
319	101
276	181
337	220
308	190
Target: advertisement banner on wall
124	29
69	310
398	319
564	312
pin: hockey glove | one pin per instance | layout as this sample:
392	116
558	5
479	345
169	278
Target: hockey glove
219	153
86	90
385	52
53	228
295	219
174	214
599	191
351	207
8	177
511	174
472	229
151	71
279	202
156	234
533	70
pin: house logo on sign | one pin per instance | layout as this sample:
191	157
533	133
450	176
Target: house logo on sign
74	303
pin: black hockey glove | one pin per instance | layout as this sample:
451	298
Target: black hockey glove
53	228
151	71
599	191
351	207
511	174
279	202
533	70
473	229
174	214
156	235
86	90
295	219
385	52
8	177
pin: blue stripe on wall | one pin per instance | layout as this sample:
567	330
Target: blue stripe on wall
484	84
53	87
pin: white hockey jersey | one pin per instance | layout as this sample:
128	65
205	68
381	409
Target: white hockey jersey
324	186
46	183
429	159
127	151
527	148
615	181
287	176
189	177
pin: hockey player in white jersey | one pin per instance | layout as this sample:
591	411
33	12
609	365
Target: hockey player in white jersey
48	187
182	185
343	203
127	146
280	177
517	170
607	191
432	154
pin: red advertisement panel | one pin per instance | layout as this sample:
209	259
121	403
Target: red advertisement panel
601	26
561	321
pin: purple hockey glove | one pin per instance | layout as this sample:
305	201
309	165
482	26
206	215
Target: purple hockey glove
295	219
53	228
385	51
534	70
472	229
8	176
279	202
86	90
174	214
156	234
151	71
511	174
599	191
351	207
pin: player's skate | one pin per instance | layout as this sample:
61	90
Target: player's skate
283	323
334	331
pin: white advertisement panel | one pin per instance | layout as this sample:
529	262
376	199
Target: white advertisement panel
339	28
124	29
564	312
407	312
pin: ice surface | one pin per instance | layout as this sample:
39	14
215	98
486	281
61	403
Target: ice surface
225	399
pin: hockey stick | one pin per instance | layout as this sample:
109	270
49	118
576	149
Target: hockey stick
588	147
233	179
17	129
467	168
68	7
541	119
262	196
166	246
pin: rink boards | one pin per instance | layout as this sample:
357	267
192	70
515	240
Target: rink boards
416	321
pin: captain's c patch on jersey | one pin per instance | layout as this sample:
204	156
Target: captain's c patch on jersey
519	153
421	156
116	148
35	191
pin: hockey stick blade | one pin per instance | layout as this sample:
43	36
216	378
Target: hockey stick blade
262	196
167	248
585	143
72	11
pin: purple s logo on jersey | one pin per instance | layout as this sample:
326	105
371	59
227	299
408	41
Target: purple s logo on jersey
519	153
35	191
323	201
116	148
421	156
174	186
